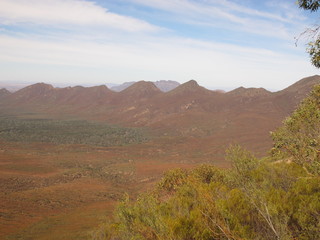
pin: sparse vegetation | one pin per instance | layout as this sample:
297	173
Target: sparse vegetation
68	132
272	198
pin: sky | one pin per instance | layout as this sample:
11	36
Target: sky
222	44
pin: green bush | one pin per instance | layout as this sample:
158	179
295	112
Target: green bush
299	137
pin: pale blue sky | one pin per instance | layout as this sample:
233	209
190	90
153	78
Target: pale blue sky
219	43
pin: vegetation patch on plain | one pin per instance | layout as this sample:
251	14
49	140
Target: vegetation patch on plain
69	132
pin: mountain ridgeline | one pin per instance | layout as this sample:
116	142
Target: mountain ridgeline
245	115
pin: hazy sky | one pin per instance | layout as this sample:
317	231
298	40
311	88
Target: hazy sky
219	43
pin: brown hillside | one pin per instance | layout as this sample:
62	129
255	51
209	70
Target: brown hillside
290	97
81	96
185	98
249	92
44	98
189	87
303	86
160	109
35	92
140	90
132	105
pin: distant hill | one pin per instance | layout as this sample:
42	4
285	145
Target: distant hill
136	93
249	92
140	90
4	92
245	115
163	85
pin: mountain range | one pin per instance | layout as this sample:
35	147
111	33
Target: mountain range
208	118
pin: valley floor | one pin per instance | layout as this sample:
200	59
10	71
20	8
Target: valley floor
52	191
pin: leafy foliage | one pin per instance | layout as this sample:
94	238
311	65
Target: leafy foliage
314	45
311	5
314	52
172	180
219	209
299	137
68	132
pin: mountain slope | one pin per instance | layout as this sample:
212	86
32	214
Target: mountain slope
288	98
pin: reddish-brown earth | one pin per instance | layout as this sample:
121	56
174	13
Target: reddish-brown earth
63	191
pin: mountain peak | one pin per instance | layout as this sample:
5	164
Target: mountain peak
4	92
37	89
141	89
191	83
142	85
249	92
41	85
100	88
190	86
